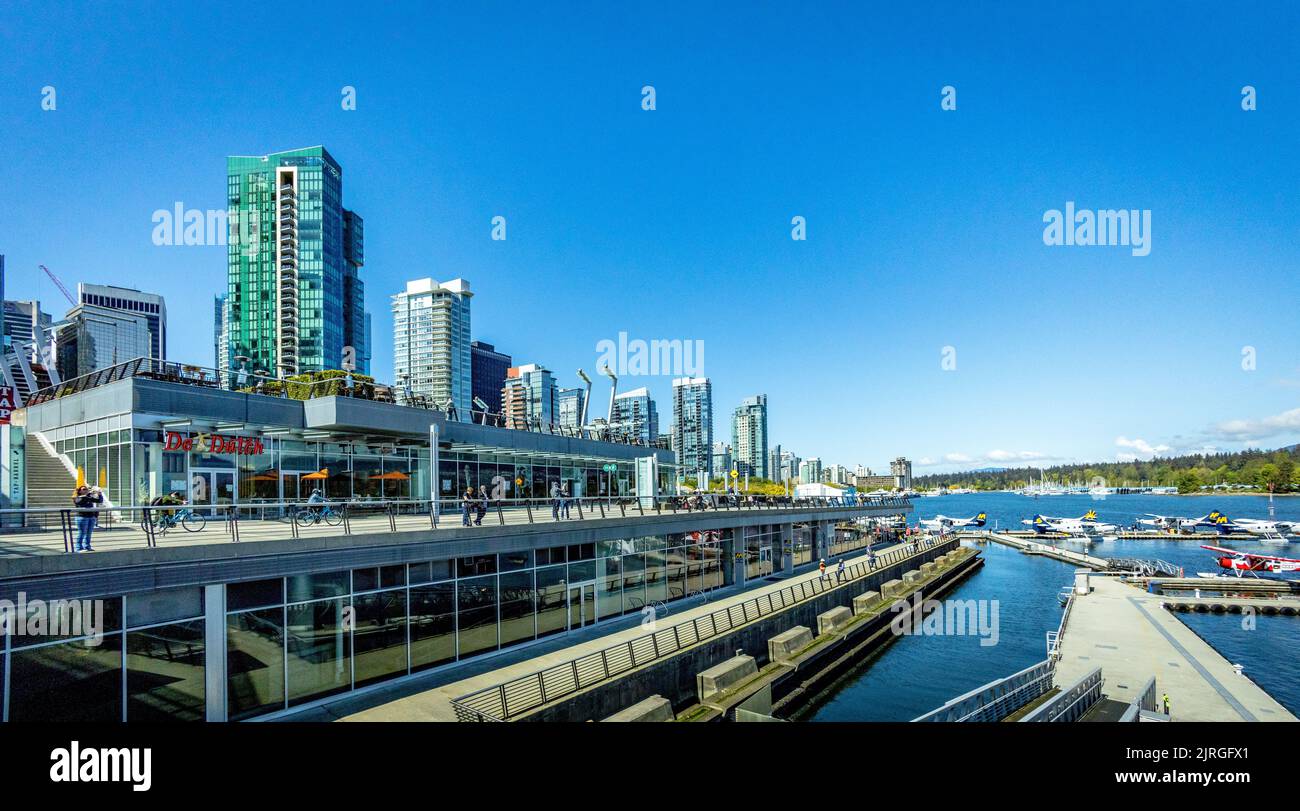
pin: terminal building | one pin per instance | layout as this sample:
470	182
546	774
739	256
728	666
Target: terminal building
207	628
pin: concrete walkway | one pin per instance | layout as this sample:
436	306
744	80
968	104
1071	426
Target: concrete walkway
1031	547
1127	633
433	703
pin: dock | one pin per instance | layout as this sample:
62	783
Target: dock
1132	637
1032	547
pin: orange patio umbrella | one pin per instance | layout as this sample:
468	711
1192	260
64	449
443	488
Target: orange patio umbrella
394	475
323	473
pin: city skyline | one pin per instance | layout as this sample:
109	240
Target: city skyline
1096	319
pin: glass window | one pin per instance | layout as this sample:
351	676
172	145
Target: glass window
254	662
552	600
432	571
609	588
69	681
68	620
379	636
319	651
477	614
514	561
481	564
254	594
633	582
433	625
517	607
165	677
317	586
164	605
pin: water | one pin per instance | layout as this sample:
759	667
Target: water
917	674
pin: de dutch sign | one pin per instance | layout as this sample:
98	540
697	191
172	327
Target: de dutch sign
214	443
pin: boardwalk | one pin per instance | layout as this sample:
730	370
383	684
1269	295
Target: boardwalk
1131	637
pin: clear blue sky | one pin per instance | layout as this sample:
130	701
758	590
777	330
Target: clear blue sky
924	226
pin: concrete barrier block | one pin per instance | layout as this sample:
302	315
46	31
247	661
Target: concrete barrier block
928	569
912	576
720	677
833	620
892	588
654	708
782	646
863	602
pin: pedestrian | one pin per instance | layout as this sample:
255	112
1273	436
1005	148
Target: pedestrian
565	499
821	567
464	506
871	557
1165	698
555	501
88	501
482	506
839	571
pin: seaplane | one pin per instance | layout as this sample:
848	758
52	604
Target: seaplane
1214	520
1085	526
1256	526
942	522
1172	523
1234	560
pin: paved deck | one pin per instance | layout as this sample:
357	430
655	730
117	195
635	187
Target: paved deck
431	701
1036	547
1127	633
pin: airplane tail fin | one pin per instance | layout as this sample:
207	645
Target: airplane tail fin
980	520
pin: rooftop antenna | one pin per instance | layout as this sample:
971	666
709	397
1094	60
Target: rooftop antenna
586	398
613	389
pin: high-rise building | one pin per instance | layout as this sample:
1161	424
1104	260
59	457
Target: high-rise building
790	466
131	302
692	430
722	460
810	470
431	346
774	464
570	407
635	415
296	299
24	323
901	470
749	436
488	374
529	397
94	338
220	331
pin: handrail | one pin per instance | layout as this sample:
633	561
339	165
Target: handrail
516	696
435	511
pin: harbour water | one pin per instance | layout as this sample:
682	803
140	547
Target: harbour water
918	673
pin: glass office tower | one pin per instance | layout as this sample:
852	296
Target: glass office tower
293	257
693	424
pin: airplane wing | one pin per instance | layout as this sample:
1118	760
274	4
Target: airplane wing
1249	555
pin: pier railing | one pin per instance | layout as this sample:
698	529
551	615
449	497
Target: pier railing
997	699
1070	704
153	525
515	697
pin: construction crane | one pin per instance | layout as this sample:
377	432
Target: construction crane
59	285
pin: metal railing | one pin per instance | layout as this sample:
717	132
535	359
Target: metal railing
997	699
374	516
1071	703
1054	637
512	698
1145	702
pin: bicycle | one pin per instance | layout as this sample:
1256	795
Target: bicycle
162	521
308	516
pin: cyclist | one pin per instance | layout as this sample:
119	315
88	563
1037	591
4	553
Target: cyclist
315	499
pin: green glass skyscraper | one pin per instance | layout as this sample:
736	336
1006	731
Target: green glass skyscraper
296	300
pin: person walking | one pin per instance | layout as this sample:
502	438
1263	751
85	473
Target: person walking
566	498
464	506
1164	697
88	501
821	567
839	571
555	501
482	506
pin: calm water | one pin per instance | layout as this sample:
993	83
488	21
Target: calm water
917	674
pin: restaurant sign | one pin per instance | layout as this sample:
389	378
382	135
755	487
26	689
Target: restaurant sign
214	443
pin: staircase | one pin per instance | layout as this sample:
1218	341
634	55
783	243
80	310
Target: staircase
49	484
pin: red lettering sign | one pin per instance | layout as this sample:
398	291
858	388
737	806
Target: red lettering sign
214	443
6	404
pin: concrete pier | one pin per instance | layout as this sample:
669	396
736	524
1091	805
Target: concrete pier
1033	547
1129	634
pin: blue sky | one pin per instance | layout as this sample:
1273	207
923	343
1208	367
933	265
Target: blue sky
924	226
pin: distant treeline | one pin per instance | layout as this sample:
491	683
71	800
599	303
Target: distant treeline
1252	468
